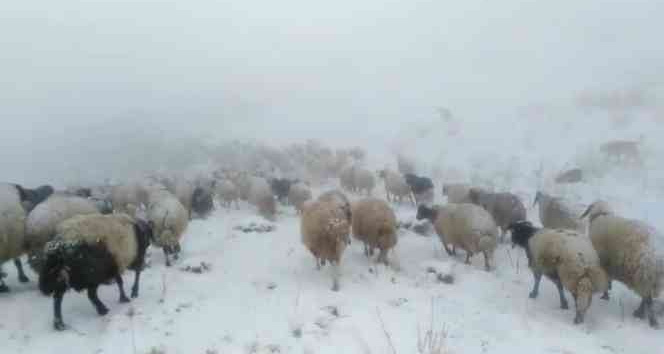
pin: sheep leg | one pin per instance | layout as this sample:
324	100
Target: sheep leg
468	255
606	296
487	266
168	258
535	292
99	306
335	276
651	313
449	252
134	288
382	257
640	311
561	293
366	250
3	287
21	274
58	323
123	295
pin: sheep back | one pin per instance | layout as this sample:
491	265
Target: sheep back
467	226
374	223
324	228
554	214
116	232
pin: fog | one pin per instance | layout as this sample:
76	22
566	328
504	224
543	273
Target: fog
83	81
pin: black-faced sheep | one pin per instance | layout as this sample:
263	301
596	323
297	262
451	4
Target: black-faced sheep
12	231
90	250
505	208
422	188
629	252
325	228
567	258
555	214
465	225
168	220
375	224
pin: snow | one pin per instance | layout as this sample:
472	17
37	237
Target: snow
263	294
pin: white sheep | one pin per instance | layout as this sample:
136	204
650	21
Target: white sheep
375	224
227	193
260	195
42	222
298	194
555	214
465	225
629	252
325	228
567	258
90	250
457	192
395	186
128	198
505	208
12	231
168	219
363	180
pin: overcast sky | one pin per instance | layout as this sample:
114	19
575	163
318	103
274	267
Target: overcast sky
294	68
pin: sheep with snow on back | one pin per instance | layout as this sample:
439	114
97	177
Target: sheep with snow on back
298	194
631	252
375	224
465	225
457	192
90	250
12	231
505	208
363	180
422	188
555	214
260	195
168	220
41	224
567	258
395	186
227	193
325	228
30	198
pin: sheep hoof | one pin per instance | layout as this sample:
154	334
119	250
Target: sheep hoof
58	325
335	287
564	306
653	323
124	299
134	294
102	310
605	296
533	294
578	319
23	279
4	288
639	313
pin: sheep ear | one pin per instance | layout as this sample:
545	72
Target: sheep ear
585	213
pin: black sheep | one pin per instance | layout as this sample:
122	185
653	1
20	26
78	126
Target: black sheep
280	188
420	186
201	202
91	250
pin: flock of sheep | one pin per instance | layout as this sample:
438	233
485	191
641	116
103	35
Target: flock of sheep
80	238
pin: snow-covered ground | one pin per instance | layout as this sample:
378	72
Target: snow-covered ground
263	294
